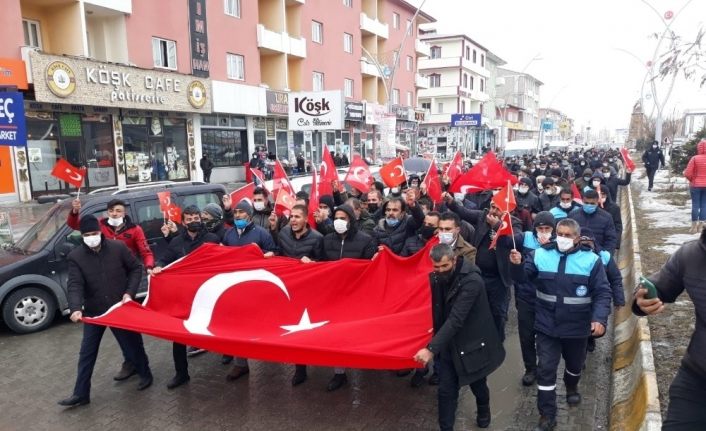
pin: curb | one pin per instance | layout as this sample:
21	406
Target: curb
634	396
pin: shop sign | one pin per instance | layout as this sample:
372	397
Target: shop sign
13	130
199	38
353	111
321	110
77	81
13	73
277	102
403	113
374	113
464	120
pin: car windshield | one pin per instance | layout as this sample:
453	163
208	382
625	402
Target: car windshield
43	231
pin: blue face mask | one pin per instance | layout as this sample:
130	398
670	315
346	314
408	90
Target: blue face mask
590	208
240	224
392	222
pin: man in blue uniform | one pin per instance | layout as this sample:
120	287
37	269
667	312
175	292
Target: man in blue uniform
573	303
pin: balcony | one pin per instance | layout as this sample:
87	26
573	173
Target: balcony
122	6
273	42
422	48
295	2
372	26
448	91
475	68
368	69
437	63
421	81
437	119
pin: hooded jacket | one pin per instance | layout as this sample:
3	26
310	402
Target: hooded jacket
601	224
252	234
353	243
614	181
695	170
580	182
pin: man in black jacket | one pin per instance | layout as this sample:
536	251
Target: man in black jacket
685	270
652	159
206	167
189	240
401	221
102	273
598	220
428	230
467	352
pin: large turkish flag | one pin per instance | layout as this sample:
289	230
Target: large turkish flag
349	313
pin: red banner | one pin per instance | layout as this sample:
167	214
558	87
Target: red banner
174	213
69	173
505	199
328	172
485	175
244	192
349	313
284	203
504	230
280	180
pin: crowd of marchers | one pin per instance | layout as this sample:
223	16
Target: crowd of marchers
559	264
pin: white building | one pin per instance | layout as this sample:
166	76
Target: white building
694	121
520	92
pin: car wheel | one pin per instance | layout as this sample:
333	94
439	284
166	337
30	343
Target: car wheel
29	309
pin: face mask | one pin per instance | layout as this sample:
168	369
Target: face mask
395	190
446	237
549	192
605	163
392	222
211	225
590	208
564	244
241	224
115	222
654	146
372	207
194	226
596	183
583	163
606	174
565	205
427	232
523	190
340	226
258	206
587	179
92	241
544	236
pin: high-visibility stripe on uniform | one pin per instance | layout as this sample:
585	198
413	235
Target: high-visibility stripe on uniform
572	374
546	388
545	297
576	301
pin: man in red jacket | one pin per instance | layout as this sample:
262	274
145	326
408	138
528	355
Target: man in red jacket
118	226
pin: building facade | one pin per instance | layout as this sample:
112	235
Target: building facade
520	109
138	92
556	125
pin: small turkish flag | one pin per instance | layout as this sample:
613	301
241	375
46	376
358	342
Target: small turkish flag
165	200
505	229
505	199
432	183
174	213
313	199
576	194
284	203
280	180
455	168
393	173
244	192
328	172
359	175
629	164
67	172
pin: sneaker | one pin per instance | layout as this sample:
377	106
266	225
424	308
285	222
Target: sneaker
529	377
546	424
434	380
193	351
336	382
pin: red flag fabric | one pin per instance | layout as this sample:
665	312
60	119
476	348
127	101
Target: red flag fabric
327	173
629	164
69	173
165	200
455	168
284	203
358	175
280	180
258	178
174	213
578	198
244	192
485	175
432	182
248	173
505	199
313	199
324	313
393	174
505	229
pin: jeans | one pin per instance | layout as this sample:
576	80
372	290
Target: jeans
698	203
525	328
499	301
448	391
130	343
687	402
650	177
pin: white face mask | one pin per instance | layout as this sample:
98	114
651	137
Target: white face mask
523	190
340	226
564	244
259	206
606	175
565	205
596	183
544	236
115	222
394	190
92	241
446	237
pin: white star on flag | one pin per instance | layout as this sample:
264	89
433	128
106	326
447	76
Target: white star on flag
303	325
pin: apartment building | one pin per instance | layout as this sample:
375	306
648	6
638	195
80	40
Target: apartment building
520	111
137	91
461	76
556	124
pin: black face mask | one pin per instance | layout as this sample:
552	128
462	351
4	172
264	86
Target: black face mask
194	226
372	208
427	232
211	225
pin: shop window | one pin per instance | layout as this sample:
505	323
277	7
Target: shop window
100	153
155	149
225	147
43	151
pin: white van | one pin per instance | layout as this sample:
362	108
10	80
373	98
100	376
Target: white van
558	146
520	148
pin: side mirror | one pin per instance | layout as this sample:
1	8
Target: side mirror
63	249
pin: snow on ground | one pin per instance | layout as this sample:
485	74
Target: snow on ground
673	242
662	213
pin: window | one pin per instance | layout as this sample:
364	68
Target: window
465	81
426	106
482	60
232	7
318	81
164	53
434	81
395	96
33	37
409	99
348	3
395	20
471	83
463	107
474	55
482	84
317	32
435	52
348	87
348	42
468	53
440	109
410	63
235	66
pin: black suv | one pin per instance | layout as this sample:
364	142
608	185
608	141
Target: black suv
34	271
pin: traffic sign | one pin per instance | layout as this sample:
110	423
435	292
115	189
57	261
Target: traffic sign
464	120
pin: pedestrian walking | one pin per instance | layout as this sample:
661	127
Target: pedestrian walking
652	158
102	272
695	172
206	167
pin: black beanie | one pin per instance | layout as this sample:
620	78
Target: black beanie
544	218
89	223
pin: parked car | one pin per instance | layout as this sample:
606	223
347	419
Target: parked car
303	182
34	271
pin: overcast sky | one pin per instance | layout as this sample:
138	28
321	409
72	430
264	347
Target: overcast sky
584	73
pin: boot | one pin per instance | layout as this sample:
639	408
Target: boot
529	378
694	227
546	424
483	416
299	375
573	398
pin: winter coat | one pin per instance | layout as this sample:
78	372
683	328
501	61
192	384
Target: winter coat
366	223
394	238
614	181
695	170
615	278
412	245
548	202
567	302
98	280
131	234
601	224
353	243
686	270
614	210
652	159
559	213
309	245
461	313
529	200
252	234
525	291
182	244
206	164
580	182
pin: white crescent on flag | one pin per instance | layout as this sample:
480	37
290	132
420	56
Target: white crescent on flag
74	175
356	175
398	167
